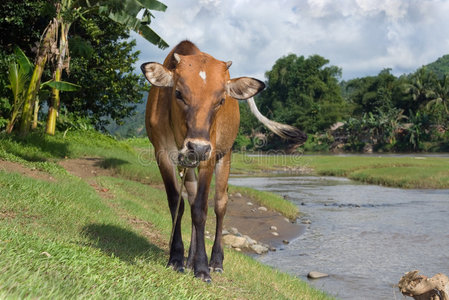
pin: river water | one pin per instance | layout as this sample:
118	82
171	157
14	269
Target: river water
364	236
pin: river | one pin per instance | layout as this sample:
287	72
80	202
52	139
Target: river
364	236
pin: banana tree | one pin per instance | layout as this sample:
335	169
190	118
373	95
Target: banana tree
123	12
19	73
53	46
20	76
45	48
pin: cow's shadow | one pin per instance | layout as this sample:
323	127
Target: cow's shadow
122	243
111	163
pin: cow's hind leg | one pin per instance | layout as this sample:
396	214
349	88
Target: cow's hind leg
221	200
168	172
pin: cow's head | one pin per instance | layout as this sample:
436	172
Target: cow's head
200	87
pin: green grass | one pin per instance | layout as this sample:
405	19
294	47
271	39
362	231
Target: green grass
61	240
274	201
131	159
39	150
405	172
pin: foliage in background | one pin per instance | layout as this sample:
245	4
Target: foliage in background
440	67
53	47
103	64
303	92
375	113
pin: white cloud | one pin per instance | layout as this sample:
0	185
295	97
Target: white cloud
361	36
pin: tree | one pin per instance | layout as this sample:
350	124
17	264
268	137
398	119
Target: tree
53	44
421	88
102	63
303	92
21	24
101	60
19	75
372	93
122	12
440	96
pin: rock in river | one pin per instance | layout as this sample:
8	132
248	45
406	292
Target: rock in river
259	249
316	275
235	241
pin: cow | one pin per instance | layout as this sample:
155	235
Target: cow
192	119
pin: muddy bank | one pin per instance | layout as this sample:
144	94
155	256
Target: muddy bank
265	226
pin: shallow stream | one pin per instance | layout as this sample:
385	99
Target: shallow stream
364	236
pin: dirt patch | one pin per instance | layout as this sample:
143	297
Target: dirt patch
259	224
86	167
5	214
15	167
148	230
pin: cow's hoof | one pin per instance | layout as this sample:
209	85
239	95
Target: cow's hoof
176	267
204	277
216	270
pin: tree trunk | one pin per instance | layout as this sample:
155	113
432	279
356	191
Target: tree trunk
44	50
11	122
36	113
25	121
55	98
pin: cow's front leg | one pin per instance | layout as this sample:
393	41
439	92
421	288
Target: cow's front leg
199	215
221	199
167	169
191	185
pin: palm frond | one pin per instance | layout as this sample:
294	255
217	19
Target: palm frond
23	60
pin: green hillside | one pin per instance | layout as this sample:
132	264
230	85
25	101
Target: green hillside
440	66
132	126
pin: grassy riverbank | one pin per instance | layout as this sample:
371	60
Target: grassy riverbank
62	237
405	172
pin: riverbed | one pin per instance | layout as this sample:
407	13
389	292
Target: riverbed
364	236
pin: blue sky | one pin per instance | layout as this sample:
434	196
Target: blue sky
360	36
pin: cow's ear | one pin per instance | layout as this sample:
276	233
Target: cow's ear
157	74
244	87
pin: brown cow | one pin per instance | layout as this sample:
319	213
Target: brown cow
192	119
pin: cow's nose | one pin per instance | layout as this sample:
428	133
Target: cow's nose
201	150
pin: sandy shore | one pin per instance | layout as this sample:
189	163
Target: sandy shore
257	224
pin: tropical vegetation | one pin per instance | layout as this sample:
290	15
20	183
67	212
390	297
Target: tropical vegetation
52	36
373	113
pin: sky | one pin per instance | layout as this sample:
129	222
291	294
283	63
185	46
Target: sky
362	37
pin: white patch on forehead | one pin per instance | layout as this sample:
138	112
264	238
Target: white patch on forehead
203	75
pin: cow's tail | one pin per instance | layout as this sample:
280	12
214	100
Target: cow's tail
284	131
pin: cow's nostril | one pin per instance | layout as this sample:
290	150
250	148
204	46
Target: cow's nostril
190	146
207	149
200	150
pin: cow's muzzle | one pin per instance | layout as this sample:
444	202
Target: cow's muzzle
193	153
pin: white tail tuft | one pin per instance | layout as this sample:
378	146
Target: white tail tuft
282	130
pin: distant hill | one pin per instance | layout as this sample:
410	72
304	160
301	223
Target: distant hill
440	66
133	126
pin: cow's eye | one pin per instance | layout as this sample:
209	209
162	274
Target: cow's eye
222	101
179	97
